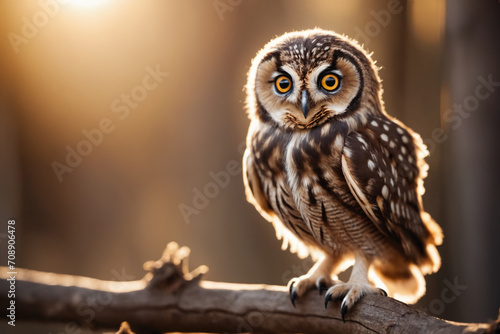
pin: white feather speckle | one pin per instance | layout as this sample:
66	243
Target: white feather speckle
385	191
361	140
371	165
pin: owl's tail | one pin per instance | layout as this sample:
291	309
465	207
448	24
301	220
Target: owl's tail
432	261
404	280
406	284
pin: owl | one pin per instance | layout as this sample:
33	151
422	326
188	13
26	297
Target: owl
339	179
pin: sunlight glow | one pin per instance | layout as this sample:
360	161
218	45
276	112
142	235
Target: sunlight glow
427	20
87	3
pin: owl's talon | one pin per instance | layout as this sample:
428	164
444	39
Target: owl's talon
293	292
328	297
290	285
343	311
293	296
383	292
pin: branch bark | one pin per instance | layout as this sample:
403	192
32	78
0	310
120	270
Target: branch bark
172	299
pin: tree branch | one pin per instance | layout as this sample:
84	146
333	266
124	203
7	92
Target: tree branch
170	298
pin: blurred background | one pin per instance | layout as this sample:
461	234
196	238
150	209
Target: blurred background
116	115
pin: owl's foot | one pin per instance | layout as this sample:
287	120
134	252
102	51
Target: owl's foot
350	293
300	285
319	277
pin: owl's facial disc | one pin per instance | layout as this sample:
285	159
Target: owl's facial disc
306	96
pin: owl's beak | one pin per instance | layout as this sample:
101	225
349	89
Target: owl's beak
305	107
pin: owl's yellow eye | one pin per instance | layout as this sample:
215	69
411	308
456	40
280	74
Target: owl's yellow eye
283	84
330	82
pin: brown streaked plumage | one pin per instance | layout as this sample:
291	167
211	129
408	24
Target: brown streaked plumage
339	178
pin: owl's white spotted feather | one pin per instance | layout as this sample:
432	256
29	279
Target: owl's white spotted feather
339	178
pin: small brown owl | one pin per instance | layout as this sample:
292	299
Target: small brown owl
339	178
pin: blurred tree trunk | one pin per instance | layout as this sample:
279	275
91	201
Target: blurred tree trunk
472	118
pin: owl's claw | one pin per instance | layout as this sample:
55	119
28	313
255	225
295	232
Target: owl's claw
328	297
293	292
300	285
343	311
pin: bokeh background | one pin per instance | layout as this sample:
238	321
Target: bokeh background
65	68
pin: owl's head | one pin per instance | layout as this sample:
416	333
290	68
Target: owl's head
303	79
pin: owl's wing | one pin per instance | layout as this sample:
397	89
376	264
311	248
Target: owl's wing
253	187
384	168
256	195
